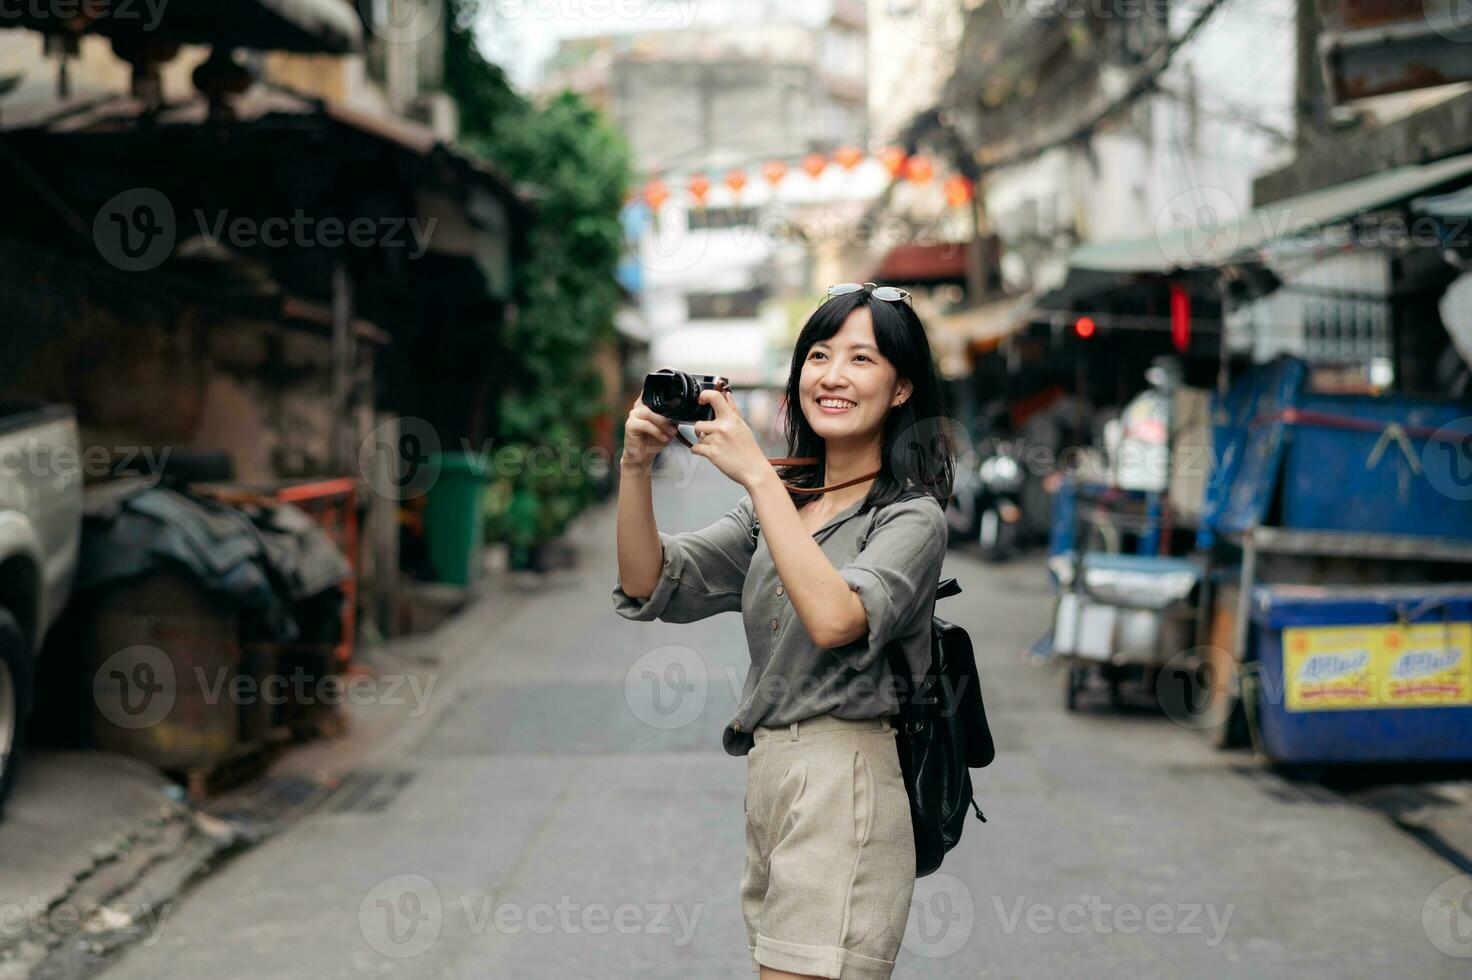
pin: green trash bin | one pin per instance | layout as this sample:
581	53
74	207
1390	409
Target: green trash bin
454	518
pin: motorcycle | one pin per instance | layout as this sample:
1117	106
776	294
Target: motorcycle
985	503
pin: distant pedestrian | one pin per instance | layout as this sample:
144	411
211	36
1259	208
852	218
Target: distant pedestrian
828	564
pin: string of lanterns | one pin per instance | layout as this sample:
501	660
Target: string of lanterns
916	169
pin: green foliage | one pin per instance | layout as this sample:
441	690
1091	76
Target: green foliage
578	166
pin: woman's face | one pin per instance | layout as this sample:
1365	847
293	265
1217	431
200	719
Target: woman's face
847	386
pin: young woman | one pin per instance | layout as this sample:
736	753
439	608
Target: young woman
825	580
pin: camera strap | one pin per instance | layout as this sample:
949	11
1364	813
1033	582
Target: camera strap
797	461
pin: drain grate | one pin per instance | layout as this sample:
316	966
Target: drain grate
367	791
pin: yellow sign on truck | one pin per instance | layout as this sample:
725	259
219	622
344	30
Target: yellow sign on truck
1337	668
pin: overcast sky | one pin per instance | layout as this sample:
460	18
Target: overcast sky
521	34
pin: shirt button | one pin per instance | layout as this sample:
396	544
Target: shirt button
775	624
780	590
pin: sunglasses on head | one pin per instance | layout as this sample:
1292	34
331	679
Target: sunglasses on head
890	294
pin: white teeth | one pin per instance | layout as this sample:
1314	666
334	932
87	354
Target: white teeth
835	403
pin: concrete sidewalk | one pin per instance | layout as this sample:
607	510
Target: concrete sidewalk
94	847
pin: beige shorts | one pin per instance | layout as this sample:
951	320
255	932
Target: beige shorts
830	856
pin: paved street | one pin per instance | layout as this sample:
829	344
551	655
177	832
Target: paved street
563	809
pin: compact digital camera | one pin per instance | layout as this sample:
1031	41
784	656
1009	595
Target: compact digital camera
676	395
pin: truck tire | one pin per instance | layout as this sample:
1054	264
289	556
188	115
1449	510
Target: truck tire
15	700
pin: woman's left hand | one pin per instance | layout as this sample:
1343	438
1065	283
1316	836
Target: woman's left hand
728	442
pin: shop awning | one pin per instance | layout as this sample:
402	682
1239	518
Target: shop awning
1224	238
981	328
312	26
929	262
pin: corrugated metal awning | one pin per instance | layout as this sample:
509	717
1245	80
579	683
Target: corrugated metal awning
1227	237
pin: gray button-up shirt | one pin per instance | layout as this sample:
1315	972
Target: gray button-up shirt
890	557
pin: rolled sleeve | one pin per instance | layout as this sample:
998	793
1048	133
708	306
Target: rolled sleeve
895	576
703	572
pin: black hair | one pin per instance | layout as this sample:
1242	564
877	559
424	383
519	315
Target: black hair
916	453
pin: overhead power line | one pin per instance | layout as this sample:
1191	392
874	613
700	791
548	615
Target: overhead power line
1152	67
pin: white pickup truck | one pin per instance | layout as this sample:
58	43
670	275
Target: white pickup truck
40	535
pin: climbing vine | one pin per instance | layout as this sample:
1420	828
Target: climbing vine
577	168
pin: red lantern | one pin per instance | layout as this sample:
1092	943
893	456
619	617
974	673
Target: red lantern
893	159
698	187
774	171
655	194
1085	327
848	157
1180	317
958	190
735	179
919	170
814	164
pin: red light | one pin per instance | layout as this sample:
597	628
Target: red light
1180	317
1085	326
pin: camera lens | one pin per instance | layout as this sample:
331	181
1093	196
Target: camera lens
672	394
682	390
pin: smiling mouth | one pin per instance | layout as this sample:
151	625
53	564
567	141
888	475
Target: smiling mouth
829	404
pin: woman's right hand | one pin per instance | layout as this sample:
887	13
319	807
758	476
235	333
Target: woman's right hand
645	434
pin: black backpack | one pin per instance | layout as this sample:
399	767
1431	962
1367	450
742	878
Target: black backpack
942	734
